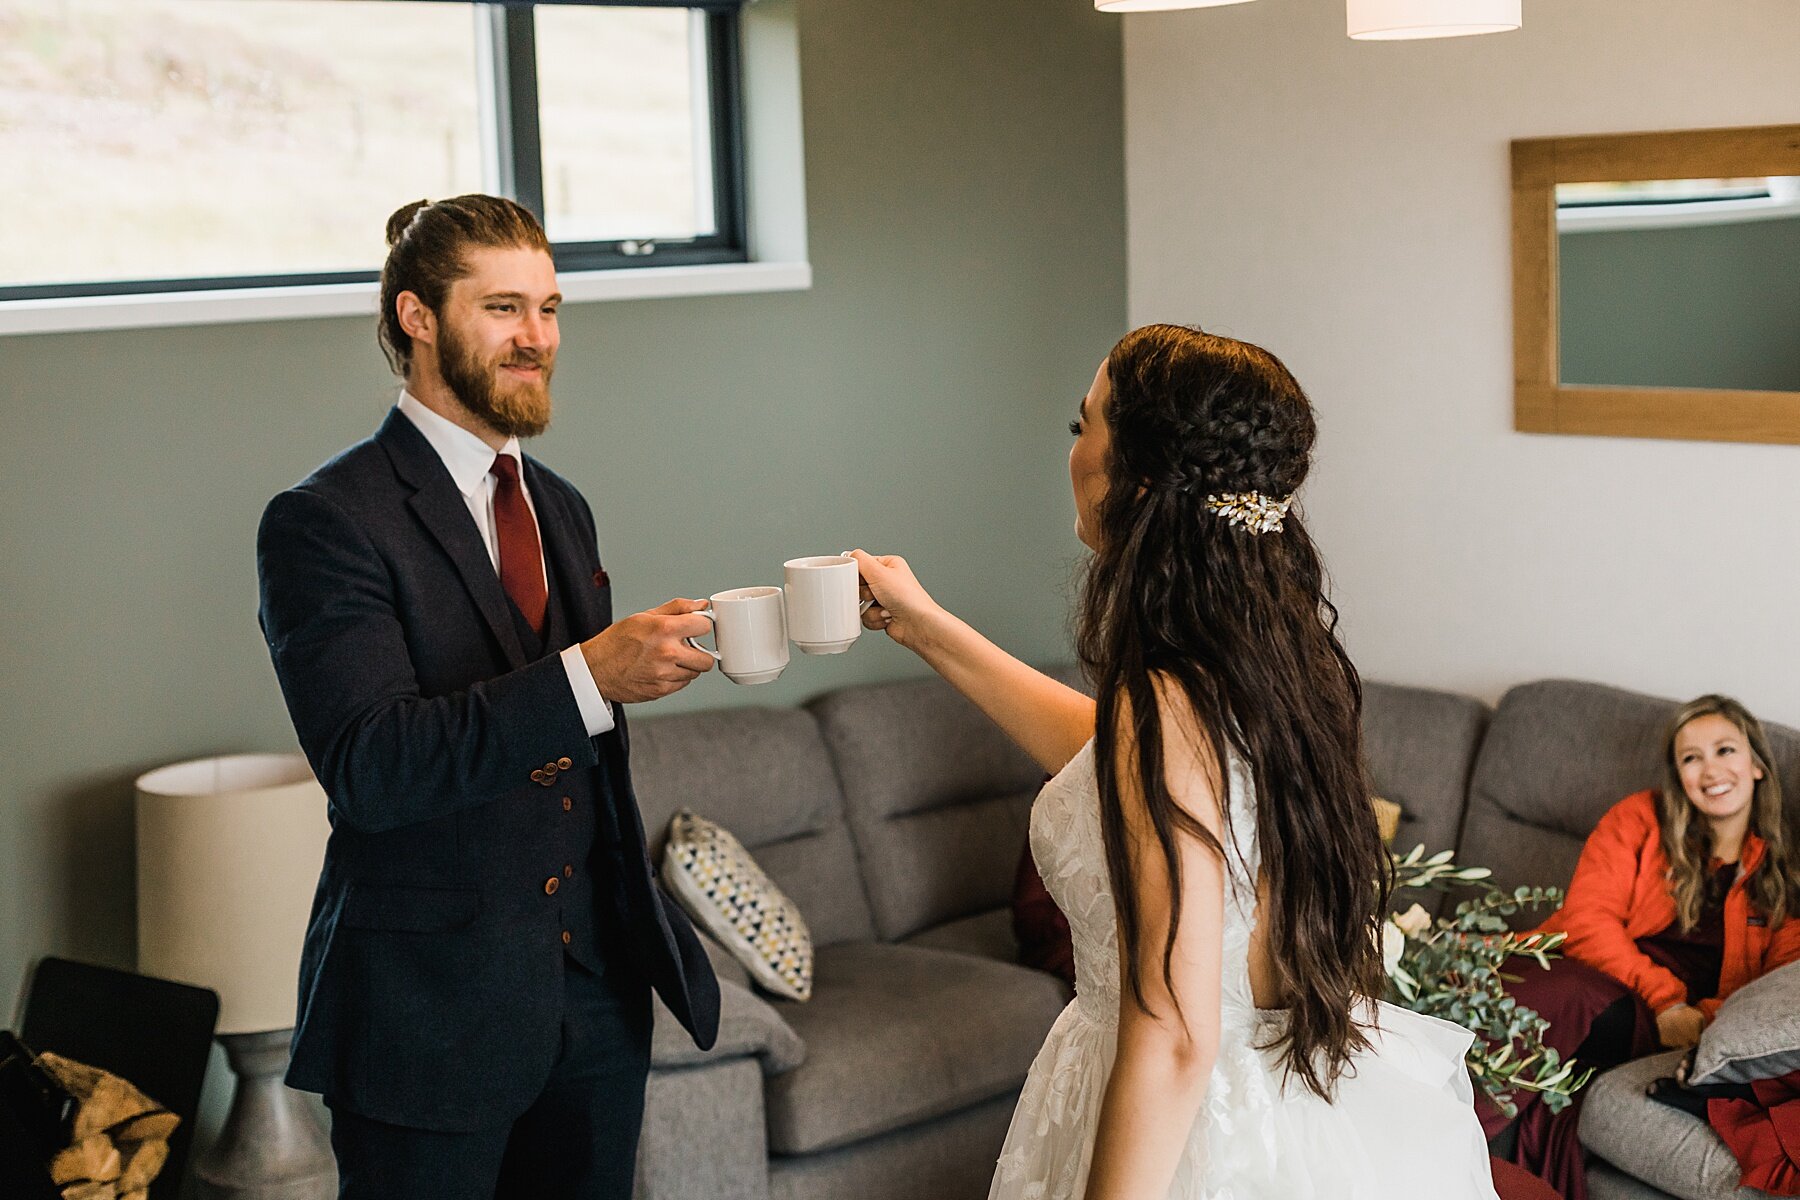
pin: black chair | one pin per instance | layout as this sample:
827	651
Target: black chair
29	1119
155	1033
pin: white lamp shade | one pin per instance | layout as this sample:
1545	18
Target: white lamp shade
1159	5
228	853
1392	20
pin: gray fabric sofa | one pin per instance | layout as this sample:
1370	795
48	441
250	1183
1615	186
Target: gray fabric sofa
894	816
1555	756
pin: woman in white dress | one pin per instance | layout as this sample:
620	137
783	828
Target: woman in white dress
1209	814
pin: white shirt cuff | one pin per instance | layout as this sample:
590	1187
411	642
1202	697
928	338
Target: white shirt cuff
596	713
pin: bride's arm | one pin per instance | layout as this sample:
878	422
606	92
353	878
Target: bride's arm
1165	1056
1049	720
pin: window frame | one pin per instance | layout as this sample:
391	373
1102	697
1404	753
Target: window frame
512	113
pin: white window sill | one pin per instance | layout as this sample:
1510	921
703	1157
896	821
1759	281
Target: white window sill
776	235
230	306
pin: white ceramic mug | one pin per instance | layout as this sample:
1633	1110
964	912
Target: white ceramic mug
822	609
750	626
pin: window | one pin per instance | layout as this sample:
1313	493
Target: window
169	145
1673	203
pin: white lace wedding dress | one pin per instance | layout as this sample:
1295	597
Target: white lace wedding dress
1403	1125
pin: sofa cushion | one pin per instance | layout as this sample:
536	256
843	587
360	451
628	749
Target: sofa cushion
749	1027
764	774
1653	1142
951	1158
1557	755
1421	748
1387	819
1607	1182
937	797
988	935
899	1034
1756	1034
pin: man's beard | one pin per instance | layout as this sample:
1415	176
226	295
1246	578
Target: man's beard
511	407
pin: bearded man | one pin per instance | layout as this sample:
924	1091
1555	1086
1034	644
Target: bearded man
475	988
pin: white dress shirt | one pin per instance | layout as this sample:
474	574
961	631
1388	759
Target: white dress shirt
469	461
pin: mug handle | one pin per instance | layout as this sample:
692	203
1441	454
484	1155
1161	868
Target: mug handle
863	606
708	614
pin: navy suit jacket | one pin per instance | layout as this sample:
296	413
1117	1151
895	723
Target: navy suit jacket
431	981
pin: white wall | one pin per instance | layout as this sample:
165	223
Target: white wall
1346	204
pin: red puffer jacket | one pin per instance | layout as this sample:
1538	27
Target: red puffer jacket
1621	893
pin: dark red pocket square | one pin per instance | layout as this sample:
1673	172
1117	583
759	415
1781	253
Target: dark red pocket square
602	579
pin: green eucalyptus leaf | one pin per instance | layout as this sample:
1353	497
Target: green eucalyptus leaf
1454	971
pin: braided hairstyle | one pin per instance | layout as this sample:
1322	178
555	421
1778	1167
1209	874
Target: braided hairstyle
1239	623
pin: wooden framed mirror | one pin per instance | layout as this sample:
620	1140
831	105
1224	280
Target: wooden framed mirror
1656	284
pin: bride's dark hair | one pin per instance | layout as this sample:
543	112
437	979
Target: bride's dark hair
1239	625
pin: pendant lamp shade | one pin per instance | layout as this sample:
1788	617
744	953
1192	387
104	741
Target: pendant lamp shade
1158	5
1395	20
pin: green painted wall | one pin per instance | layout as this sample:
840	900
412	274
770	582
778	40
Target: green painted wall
1708	306
966	205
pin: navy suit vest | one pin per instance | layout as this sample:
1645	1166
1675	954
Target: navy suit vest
584	917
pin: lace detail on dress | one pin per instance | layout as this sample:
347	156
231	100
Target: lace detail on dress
1070	852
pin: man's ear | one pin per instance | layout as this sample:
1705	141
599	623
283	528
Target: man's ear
416	318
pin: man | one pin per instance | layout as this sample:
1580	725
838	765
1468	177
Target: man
475	988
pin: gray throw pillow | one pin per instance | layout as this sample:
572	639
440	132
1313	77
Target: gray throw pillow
1756	1034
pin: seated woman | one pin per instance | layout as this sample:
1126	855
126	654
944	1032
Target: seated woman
1682	895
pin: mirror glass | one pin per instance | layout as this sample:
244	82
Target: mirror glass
1680	283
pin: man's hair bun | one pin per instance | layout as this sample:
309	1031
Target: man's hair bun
402	218
428	244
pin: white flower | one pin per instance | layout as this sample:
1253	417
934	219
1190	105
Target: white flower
1393	945
1414	922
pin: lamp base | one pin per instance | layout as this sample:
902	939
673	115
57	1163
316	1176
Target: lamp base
271	1147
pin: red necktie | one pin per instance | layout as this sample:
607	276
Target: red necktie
521	555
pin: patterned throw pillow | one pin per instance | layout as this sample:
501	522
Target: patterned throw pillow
714	878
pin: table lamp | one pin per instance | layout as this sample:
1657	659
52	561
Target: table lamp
228	855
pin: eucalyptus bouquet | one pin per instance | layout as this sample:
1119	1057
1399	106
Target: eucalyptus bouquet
1450	968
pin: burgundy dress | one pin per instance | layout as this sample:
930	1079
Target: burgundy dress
1602	1023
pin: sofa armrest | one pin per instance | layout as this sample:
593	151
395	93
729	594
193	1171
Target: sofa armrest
749	1027
705	1134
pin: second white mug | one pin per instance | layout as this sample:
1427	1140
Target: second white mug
750	626
823	614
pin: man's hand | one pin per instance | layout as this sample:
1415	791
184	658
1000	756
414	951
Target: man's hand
1680	1026
644	656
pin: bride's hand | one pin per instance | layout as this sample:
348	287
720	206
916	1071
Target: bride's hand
901	607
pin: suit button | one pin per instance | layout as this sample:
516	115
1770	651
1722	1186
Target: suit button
537	777
568	872
567	938
565	763
550	886
567	804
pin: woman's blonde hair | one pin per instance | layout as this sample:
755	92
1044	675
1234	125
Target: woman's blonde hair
1687	838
